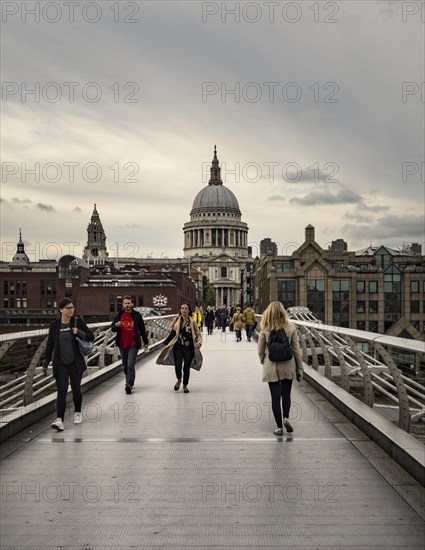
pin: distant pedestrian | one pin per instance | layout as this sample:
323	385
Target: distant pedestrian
237	321
223	314
130	331
182	347
250	321
209	320
68	363
197	316
281	374
217	318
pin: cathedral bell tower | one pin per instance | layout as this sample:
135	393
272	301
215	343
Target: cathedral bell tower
95	252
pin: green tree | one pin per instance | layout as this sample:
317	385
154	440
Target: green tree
209	294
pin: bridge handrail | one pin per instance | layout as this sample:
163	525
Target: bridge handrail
331	346
25	388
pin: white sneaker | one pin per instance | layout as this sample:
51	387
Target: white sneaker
57	425
78	418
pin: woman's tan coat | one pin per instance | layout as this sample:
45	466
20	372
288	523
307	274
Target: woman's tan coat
273	372
238	320
166	357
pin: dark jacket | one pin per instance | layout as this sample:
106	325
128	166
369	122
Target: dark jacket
139	325
53	340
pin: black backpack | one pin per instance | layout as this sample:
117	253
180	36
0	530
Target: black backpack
279	346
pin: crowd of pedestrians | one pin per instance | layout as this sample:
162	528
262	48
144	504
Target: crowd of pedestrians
181	349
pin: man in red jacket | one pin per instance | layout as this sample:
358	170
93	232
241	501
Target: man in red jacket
130	329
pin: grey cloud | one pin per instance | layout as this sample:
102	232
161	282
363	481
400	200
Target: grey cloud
369	133
307	175
363	212
318	197
276	198
391	227
45	207
77	209
16	200
130	226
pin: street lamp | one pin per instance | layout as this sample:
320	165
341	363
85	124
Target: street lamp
242	283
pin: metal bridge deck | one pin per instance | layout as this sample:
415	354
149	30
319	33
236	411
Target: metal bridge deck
160	469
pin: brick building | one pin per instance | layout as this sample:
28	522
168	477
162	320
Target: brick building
377	289
30	291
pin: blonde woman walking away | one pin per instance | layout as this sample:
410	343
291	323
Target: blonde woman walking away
279	374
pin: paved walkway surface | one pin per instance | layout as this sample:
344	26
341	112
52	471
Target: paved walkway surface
160	469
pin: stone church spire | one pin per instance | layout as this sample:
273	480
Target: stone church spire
95	252
20	260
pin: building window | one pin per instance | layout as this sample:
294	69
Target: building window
286	293
373	326
383	258
414	306
360	285
361	325
414	286
48	293
341	302
115	304
223	272
373	306
373	287
392	296
360	307
14	293
284	267
416	325
316	297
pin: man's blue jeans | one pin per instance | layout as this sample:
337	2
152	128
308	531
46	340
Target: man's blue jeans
249	330
129	356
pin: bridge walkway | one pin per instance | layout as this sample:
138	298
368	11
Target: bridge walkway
160	469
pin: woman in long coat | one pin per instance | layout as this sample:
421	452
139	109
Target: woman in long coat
182	347
281	374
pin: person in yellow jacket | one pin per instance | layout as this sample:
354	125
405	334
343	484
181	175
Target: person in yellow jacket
197	317
250	321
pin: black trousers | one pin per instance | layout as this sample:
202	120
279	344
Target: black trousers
65	373
183	356
281	393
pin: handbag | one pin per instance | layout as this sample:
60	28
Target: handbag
84	346
197	360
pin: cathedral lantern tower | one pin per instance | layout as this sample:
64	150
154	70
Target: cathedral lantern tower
95	252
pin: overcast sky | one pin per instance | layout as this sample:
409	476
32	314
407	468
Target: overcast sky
316	108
